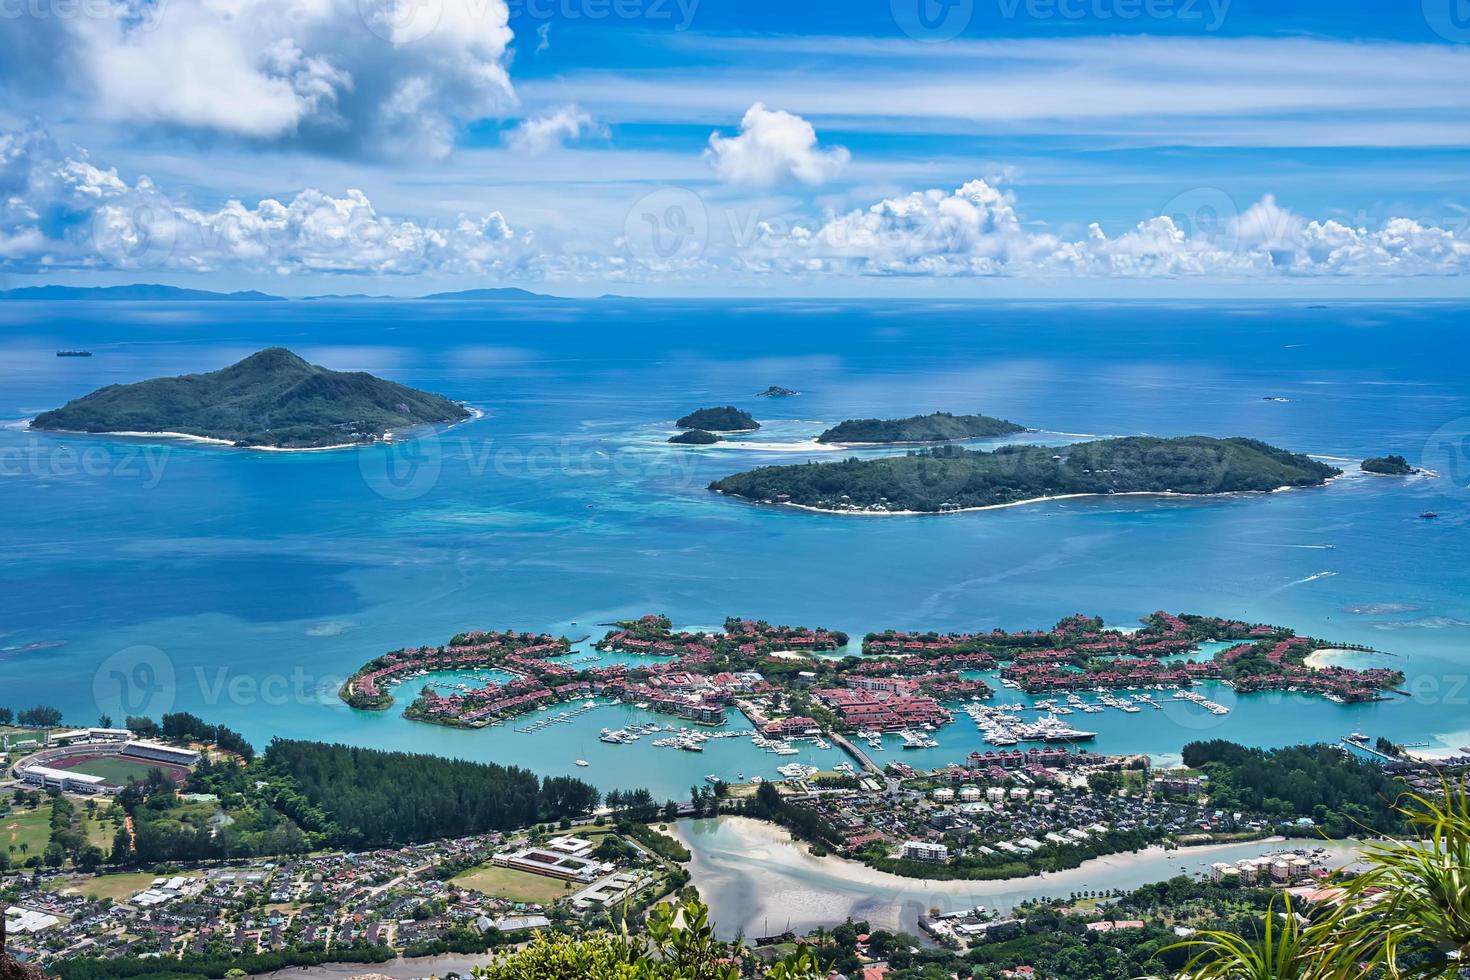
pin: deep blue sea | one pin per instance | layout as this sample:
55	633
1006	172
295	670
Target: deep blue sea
152	575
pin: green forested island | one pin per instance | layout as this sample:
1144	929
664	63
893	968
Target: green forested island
725	419
937	427
695	437
271	399
949	478
1388	466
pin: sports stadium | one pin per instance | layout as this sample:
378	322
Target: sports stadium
101	761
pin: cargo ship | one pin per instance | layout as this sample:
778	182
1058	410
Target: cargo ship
73	353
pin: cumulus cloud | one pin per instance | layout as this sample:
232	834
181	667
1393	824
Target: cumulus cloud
773	146
974	230
372	77
540	134
61	210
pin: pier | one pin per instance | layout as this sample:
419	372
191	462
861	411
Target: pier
559	719
1363	747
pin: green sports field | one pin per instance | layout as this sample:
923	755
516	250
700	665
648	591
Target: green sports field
114	770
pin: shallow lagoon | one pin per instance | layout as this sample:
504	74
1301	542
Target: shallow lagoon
759	882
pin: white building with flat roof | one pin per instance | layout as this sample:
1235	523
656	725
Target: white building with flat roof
575	846
81	735
922	850
18	920
62	779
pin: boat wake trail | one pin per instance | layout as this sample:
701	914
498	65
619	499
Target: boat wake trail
1301	581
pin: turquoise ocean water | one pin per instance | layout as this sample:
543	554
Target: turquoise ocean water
146	575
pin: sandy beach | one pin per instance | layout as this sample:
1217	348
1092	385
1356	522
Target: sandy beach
1321	659
804	446
475	414
1014	503
971	510
761	837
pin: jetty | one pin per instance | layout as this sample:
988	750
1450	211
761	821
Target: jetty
560	718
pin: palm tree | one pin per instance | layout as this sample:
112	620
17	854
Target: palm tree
1406	917
1411	908
1282	949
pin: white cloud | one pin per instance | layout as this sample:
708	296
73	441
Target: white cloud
334	75
773	146
975	231
540	134
65	211
62	211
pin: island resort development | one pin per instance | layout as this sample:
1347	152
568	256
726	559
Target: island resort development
730	490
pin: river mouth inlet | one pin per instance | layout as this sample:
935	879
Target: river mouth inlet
760	882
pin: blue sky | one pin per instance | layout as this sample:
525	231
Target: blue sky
654	147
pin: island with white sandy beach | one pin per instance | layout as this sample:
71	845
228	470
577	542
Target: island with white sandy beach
272	400
949	479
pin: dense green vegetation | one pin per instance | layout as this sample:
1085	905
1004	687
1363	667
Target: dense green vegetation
803	822
663	845
678	944
1388	466
726	419
271	398
996	867
950	478
182	726
938	427
1344	795
41	716
695	437
302	796
216	961
378	798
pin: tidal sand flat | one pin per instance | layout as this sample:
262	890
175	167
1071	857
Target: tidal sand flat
759	881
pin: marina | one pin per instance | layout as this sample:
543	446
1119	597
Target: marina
353	570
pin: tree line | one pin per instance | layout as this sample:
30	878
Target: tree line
376	798
1345	795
